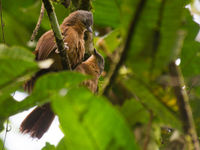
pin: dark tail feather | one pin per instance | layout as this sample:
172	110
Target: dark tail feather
28	86
38	121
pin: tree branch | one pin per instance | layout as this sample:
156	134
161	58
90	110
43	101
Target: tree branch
35	31
85	5
183	104
2	24
57	33
124	52
65	3
148	131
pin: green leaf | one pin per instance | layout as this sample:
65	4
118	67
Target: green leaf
170	27
1	143
110	42
20	20
104	15
15	62
155	37
44	88
62	144
89	122
49	147
195	104
147	97
141	51
127	9
134	112
190	55
16	66
64	79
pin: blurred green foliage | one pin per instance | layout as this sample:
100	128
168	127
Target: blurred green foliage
165	30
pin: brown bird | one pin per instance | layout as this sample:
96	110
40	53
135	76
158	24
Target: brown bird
73	29
39	120
93	66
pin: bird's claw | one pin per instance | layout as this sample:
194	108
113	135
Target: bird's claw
66	47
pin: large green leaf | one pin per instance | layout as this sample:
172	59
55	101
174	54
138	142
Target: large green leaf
146	96
190	58
104	15
155	37
141	51
134	112
16	65
171	21
89	122
62	144
44	88
20	20
127	9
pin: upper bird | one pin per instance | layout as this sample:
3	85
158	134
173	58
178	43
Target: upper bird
73	29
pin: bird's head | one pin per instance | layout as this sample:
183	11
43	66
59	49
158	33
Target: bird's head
100	60
85	18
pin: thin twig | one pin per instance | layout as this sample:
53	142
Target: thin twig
123	56
183	104
85	5
65	3
35	31
2	23
57	33
148	131
7	130
4	41
157	37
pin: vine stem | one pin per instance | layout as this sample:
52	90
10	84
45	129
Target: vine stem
35	31
124	51
183	104
57	34
4	41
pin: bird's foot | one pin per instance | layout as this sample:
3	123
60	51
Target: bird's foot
66	47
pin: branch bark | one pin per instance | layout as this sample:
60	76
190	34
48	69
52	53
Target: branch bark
85	5
124	52
57	33
148	131
183	104
35	31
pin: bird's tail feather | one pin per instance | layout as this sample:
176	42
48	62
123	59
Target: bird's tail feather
38	121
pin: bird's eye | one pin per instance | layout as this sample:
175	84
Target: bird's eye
84	22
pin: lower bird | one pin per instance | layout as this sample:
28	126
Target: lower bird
40	119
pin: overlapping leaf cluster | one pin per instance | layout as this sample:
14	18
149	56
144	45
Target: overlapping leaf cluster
142	88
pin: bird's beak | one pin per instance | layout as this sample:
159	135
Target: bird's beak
95	51
89	29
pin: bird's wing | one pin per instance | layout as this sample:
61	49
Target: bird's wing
45	45
86	69
75	52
